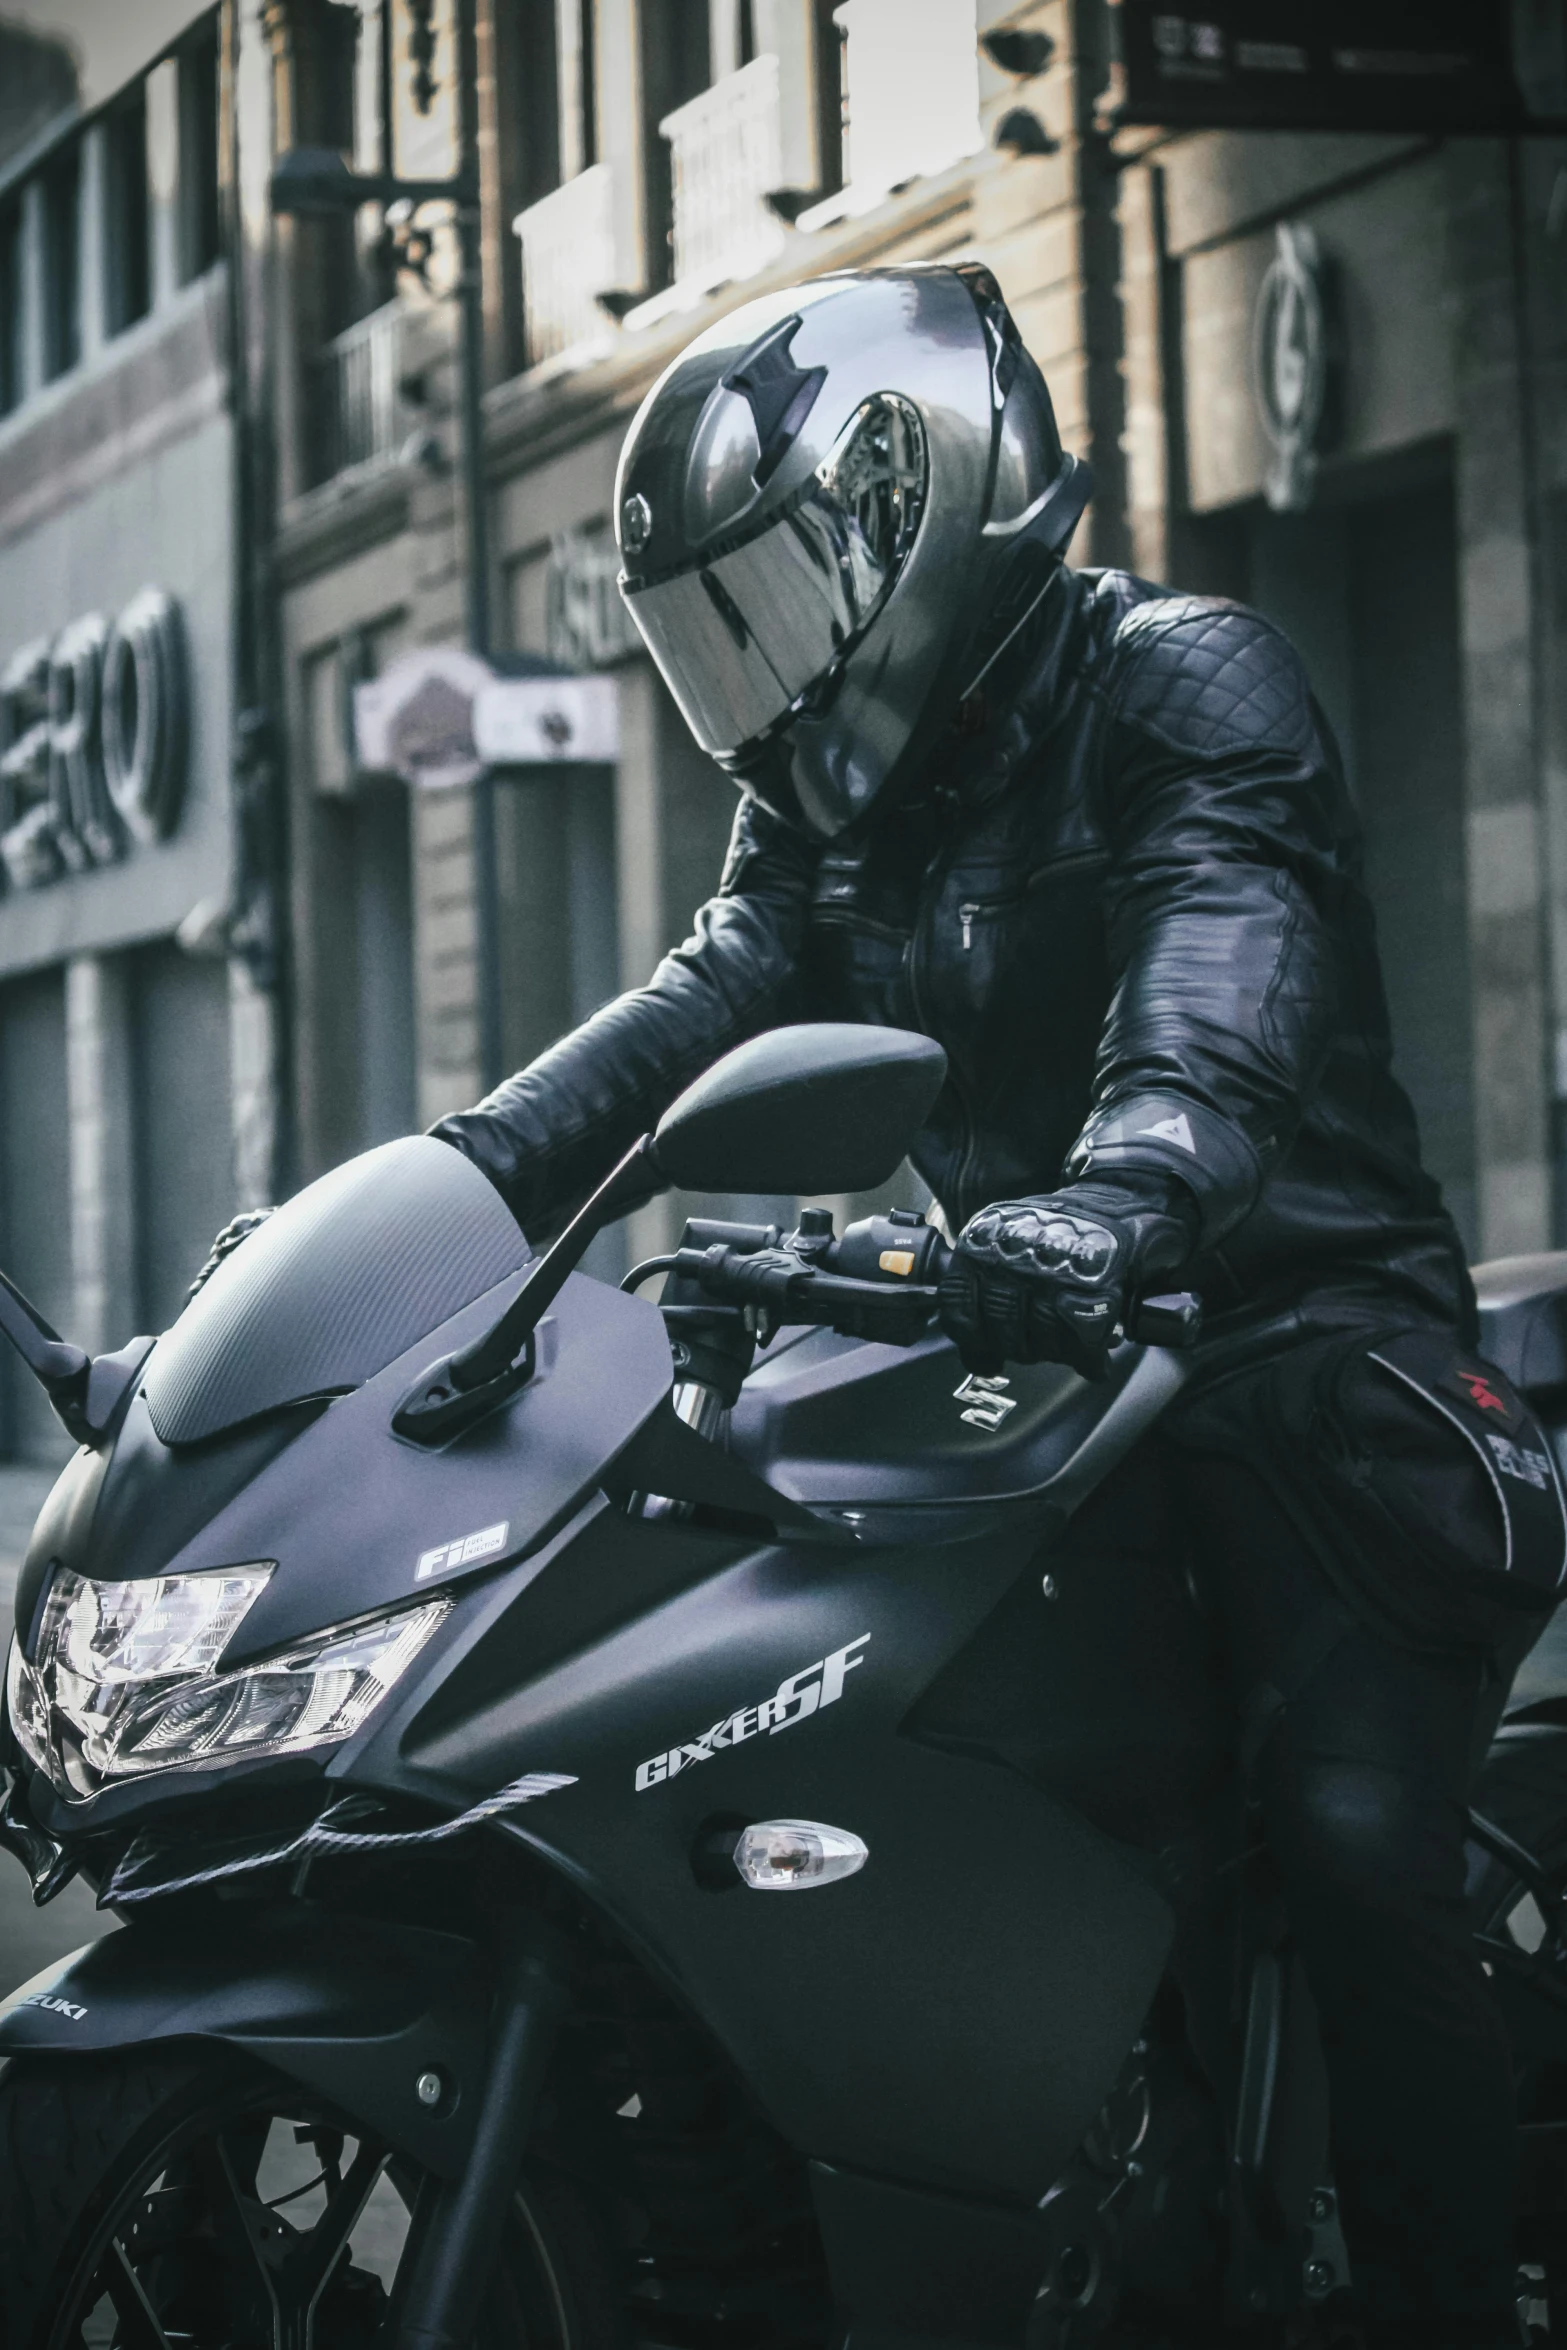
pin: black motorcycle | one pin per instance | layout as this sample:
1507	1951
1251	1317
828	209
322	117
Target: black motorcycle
403	1657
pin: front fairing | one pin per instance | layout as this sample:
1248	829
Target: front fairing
994	1930
356	1519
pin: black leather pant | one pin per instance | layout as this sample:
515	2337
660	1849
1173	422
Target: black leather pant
1363	1754
1123	1700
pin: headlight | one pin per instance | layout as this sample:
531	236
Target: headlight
124	1679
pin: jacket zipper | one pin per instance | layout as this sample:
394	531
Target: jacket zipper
941	858
968	914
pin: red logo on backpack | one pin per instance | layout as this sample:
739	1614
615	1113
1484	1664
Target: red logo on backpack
1482	1395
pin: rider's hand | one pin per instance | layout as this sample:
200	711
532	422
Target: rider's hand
228	1240
1054	1279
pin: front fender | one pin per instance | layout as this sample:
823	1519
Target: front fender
357	2009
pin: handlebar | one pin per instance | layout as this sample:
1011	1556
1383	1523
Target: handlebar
879	1280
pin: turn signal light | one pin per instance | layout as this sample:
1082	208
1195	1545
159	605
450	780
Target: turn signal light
787	1856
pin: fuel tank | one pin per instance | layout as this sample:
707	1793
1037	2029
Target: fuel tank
902	1439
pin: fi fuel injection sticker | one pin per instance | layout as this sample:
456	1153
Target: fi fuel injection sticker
466	1551
796	1698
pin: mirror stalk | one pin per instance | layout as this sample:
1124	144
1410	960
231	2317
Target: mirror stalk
462	1387
60	1369
818	1106
493	1355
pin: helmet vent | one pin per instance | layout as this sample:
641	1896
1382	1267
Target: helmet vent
779	394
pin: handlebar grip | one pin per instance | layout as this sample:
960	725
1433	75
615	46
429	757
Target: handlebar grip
788	1287
1173	1320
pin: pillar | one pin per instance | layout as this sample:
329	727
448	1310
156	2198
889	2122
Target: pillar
1497	619
102	1152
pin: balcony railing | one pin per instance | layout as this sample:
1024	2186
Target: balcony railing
725	153
568	256
359	380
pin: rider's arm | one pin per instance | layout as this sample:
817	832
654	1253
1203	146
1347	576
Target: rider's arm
549	1134
1230	855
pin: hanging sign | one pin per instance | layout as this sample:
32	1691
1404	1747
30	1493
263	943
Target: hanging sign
1338	65
1291	357
416	720
441	717
532	721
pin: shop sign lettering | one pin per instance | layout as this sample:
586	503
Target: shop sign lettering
587	624
93	738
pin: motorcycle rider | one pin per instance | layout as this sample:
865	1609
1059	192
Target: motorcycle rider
1094	837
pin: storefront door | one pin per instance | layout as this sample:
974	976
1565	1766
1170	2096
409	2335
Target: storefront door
35	1195
1368	591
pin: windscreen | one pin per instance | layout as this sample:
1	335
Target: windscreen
344	1278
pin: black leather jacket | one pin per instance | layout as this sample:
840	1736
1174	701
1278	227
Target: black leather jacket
1129	905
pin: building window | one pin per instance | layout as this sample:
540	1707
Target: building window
731	36
200	85
61	190
551	94
676	64
537	117
10	307
127	213
553	192
343	351
909	112
831	92
578	86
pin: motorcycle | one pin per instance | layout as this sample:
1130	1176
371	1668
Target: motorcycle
403	1658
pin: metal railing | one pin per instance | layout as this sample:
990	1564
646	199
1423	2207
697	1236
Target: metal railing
363	413
568	257
725	154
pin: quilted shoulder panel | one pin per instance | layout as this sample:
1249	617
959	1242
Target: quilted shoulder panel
1210	677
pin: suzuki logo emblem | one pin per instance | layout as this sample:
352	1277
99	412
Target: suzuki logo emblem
987	1401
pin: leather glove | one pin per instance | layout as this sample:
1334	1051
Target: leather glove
238	1229
1054	1279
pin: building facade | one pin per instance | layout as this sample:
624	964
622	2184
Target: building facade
1322	373
648	165
117	1061
651	163
1408	538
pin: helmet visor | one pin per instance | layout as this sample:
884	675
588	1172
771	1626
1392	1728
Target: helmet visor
743	635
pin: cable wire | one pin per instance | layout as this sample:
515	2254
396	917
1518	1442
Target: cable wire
644	1272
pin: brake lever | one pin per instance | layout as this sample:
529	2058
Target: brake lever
783	1286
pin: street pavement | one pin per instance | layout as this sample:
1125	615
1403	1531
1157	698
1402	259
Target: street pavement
31	1939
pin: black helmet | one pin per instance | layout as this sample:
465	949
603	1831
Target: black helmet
832	510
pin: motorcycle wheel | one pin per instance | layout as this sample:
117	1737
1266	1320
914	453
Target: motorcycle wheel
191	2201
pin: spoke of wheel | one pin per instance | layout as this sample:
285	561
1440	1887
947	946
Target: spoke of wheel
308	2269
236	2229
139	2325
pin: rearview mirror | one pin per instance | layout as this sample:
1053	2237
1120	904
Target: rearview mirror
826	1106
815	1108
